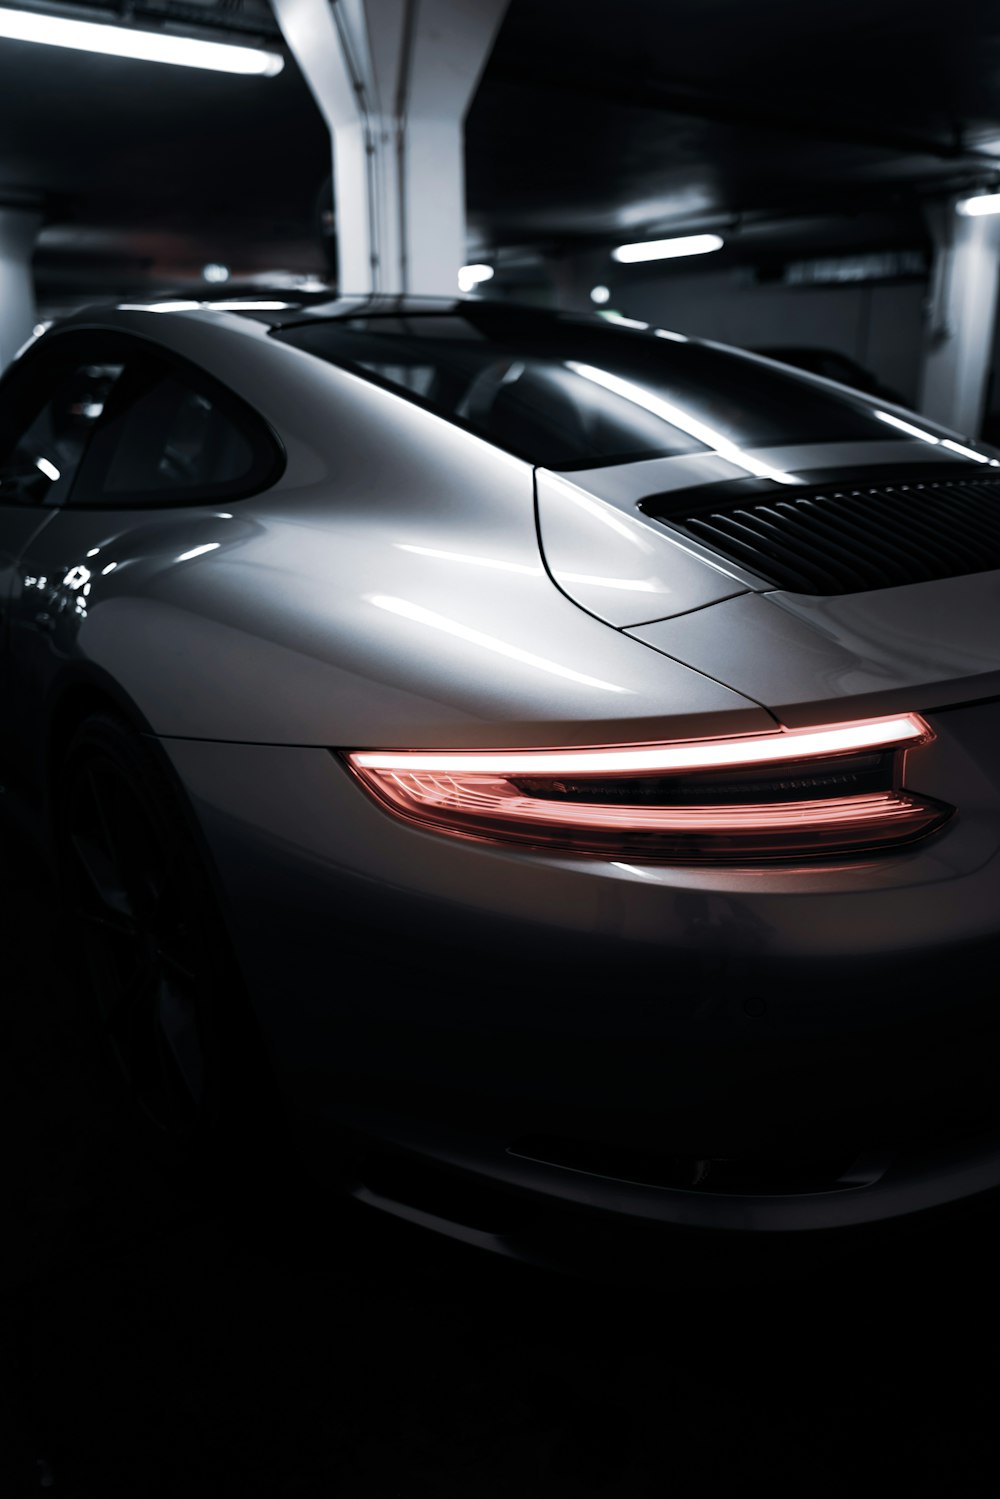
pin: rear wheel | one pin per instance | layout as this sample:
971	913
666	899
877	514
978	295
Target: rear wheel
155	961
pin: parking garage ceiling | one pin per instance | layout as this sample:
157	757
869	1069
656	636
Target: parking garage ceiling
794	125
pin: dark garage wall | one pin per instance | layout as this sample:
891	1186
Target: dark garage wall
879	325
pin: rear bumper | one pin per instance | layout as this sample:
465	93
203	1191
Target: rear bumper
512	1137
476	1194
715	1050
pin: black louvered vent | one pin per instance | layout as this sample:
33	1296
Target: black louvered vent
848	537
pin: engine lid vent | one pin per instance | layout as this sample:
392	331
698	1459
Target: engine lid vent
847	536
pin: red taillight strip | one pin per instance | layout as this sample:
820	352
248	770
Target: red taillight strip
502	802
691	754
519	796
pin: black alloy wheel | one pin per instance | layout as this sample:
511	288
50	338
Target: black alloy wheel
154	955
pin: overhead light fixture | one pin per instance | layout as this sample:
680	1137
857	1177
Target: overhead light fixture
143	46
473	275
666	249
247	304
980	204
227	304
600	294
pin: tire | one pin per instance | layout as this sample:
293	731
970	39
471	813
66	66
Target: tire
157	974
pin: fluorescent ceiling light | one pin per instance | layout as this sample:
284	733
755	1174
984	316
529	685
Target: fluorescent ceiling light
247	304
144	46
226	304
666	249
471	275
982	203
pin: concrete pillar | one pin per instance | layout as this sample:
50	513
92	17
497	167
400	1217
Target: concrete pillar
18	228
394	79
962	313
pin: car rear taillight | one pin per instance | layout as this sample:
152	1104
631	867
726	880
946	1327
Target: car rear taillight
834	789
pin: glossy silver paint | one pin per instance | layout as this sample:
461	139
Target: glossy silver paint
405	584
388	591
618	565
853	656
625	484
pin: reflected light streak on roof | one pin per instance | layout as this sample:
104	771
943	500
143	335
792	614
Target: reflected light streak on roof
679	418
958	447
908	427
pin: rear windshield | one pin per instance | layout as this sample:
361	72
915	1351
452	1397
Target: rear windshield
571	393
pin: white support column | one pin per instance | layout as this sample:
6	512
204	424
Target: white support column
962	315
18	228
394	79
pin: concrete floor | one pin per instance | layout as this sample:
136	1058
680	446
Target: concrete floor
157	1348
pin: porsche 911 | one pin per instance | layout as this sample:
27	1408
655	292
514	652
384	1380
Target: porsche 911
556	760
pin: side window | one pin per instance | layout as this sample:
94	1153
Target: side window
103	418
51	414
416	377
168	436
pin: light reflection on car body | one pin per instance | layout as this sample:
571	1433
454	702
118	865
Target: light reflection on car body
710	1033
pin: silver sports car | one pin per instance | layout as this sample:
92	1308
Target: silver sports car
560	760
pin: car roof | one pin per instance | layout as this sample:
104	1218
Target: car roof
277	307
281	308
